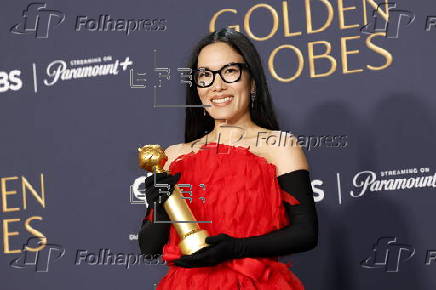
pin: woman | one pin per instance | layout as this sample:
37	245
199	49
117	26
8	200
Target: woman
257	196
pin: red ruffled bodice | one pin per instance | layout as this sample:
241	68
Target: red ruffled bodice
238	191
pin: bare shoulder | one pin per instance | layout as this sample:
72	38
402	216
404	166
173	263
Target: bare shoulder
286	154
172	152
176	150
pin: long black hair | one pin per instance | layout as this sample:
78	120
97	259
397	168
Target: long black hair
262	114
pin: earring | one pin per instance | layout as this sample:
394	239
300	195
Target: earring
253	97
204	112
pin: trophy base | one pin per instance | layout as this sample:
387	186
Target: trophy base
194	242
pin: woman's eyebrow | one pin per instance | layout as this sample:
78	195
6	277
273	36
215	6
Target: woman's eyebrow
206	67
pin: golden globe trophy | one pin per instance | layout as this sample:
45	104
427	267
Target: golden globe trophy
192	238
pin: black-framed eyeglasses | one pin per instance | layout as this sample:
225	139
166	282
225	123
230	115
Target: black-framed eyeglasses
229	73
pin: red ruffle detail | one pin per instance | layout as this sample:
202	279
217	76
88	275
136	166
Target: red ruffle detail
241	196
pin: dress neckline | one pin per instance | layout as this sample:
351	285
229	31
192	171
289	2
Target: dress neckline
245	149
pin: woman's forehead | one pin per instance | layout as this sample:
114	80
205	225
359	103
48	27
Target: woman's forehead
215	55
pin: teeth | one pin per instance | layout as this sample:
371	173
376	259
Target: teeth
223	100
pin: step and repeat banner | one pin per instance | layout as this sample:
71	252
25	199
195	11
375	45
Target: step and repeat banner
83	84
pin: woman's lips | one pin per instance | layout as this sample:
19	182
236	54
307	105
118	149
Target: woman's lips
222	101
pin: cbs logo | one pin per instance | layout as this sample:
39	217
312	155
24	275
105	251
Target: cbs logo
10	81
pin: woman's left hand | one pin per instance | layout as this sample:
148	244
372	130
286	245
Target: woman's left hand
222	247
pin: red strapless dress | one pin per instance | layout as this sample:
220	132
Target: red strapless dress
242	198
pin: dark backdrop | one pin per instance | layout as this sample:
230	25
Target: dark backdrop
73	142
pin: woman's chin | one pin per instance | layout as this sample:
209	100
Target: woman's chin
222	116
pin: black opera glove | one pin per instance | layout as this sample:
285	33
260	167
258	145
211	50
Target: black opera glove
153	236
222	247
160	194
300	236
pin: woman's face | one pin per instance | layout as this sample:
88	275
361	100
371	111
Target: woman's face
214	56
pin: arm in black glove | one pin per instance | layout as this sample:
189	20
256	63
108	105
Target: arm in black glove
301	235
152	236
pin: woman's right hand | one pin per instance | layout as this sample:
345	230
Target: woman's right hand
152	192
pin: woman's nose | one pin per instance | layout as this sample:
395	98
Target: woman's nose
218	82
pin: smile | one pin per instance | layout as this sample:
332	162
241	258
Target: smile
222	101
